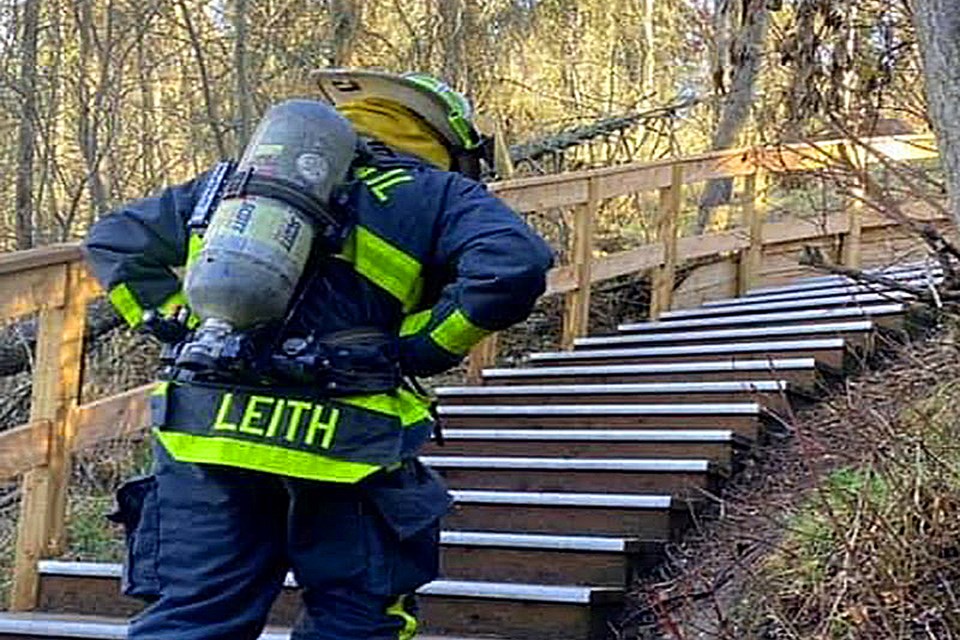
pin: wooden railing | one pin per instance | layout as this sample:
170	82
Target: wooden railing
53	282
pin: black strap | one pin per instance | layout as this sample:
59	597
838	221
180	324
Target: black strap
249	183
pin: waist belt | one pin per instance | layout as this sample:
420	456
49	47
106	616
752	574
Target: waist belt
338	440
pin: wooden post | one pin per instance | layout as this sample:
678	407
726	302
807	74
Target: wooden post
56	390
483	355
661	291
851	240
754	216
576	309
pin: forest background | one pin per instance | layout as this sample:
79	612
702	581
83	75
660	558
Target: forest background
102	101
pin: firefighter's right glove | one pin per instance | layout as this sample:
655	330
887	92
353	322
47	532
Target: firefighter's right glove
421	357
167	329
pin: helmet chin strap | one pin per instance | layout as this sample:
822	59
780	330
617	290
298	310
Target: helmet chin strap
469	162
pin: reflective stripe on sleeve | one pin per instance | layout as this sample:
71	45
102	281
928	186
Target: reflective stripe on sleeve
126	304
415	323
457	334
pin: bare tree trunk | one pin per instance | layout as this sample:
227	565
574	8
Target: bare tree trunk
747	52
938	30
345	20
452	41
802	96
88	117
720	55
211	107
28	119
649	48
240	67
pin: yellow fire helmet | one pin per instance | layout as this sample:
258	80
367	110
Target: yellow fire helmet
446	111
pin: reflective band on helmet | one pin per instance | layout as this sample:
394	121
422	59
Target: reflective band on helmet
457	334
409	630
415	323
409	407
126	305
386	266
188	447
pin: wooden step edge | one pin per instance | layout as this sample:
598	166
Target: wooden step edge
826	292
518	463
898	273
826	301
759	347
542	542
830	328
52	625
458	588
778	318
716	366
639	388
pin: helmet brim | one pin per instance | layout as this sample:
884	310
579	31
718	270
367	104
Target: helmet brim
340	86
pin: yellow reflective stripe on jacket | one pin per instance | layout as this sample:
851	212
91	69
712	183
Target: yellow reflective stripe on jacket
409	407
187	447
385	265
409	630
194	246
415	323
126	304
457	334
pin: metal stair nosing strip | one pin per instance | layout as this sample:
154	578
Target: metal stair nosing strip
718	446
829	292
648	516
805	284
830	353
855	300
776	395
744	418
884	314
800	371
515	473
855	332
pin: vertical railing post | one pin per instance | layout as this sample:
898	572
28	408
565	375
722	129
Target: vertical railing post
55	395
576	309
482	356
661	293
754	216
851	240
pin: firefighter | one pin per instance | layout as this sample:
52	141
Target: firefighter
253	480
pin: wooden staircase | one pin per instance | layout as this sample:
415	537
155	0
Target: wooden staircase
569	475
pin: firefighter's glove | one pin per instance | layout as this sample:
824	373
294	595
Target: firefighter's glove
167	329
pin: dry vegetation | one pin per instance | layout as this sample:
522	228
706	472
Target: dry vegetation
848	529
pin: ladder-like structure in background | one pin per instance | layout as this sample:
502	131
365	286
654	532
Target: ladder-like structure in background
569	474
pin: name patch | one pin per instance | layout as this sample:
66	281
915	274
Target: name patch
266	418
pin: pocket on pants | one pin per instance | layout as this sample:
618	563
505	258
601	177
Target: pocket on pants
404	530
138	512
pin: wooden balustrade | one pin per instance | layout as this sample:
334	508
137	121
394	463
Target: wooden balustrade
53	283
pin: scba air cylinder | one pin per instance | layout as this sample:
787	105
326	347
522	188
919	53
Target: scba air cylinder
257	243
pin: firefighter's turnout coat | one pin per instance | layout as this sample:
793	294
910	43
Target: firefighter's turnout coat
434	260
